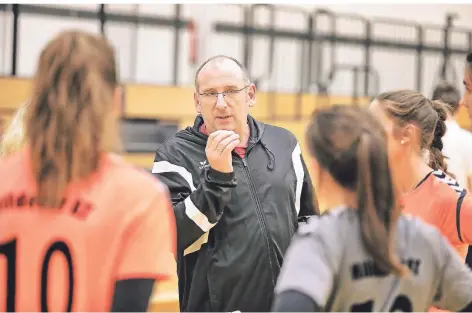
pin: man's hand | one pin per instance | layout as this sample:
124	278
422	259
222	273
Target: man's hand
218	150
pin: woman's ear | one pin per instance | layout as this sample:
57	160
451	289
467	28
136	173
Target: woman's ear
408	134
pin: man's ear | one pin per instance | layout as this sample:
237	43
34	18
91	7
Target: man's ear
198	107
252	95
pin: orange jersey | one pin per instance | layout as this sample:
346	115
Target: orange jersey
116	225
441	201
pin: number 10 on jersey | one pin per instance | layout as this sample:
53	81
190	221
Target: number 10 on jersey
9	251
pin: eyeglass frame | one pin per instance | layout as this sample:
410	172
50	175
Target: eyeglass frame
223	93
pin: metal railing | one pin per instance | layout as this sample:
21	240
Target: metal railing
311	40
312	77
102	16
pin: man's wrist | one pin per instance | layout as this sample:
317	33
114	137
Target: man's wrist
218	177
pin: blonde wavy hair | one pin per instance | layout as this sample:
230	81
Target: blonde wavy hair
70	121
14	136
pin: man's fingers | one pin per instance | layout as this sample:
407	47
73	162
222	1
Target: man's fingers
222	134
230	147
216	143
212	136
223	143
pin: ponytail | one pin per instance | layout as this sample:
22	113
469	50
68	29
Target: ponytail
437	159
69	122
349	143
375	204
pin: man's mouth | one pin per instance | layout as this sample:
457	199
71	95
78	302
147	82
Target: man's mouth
223	117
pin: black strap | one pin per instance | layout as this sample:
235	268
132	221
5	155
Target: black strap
423	180
458	213
468	258
132	295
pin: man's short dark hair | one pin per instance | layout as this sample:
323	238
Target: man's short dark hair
218	57
447	93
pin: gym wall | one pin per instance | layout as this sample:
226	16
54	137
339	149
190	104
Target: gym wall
146	52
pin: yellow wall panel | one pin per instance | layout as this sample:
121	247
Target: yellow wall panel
144	160
176	103
260	109
143	101
14	92
463	118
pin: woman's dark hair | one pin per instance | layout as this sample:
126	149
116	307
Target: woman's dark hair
408	106
469	64
469	60
449	94
68	123
350	144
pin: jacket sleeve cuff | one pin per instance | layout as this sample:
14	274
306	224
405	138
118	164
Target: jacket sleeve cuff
220	178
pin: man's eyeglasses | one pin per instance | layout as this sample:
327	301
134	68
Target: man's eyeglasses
212	96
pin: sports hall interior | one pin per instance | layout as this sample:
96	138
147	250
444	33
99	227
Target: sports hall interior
301	57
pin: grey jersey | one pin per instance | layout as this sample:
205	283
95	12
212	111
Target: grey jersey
328	262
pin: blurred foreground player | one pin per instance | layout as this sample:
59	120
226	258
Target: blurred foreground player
363	256
80	229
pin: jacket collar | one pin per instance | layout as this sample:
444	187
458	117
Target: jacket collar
193	134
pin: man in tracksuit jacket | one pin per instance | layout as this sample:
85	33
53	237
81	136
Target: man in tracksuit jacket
239	188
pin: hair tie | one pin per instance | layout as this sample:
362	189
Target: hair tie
437	143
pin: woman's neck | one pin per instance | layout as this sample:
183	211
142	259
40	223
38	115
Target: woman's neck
411	174
343	198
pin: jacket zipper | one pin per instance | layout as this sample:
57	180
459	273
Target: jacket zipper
260	215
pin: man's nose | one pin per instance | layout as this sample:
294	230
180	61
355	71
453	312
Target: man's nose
220	101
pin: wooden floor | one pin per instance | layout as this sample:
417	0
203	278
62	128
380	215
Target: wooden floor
166	297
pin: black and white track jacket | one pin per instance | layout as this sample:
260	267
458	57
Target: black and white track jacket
233	228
